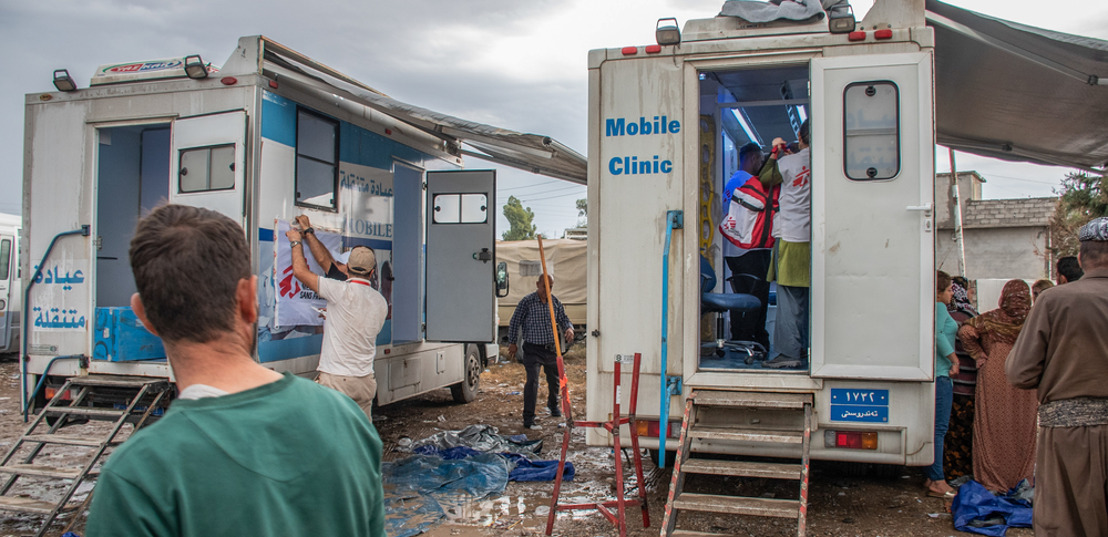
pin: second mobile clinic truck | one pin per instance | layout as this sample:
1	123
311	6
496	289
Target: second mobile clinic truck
665	124
270	135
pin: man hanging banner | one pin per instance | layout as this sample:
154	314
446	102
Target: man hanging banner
296	304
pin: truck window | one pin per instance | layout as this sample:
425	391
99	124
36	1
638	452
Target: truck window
461	209
317	161
871	130
203	169
5	258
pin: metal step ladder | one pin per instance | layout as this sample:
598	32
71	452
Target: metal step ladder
699	403
143	396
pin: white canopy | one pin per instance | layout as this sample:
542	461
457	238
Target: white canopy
530	152
1017	92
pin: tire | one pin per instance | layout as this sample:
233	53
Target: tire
466	390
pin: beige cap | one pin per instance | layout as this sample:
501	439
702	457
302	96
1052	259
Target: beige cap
362	261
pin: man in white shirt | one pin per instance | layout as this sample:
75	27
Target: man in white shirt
793	229
355	314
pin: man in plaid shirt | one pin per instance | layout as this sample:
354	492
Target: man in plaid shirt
532	315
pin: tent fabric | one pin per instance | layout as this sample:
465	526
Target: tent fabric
1016	92
530	152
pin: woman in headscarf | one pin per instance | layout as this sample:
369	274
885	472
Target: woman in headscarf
1005	419
958	447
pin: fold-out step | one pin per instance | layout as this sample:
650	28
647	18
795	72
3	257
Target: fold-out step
26	505
84	411
770	470
795	401
62	439
738	505
115	381
732	434
41	470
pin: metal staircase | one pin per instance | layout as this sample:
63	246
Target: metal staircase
772	438
142	396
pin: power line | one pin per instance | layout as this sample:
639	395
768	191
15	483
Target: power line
575	189
552	197
544	183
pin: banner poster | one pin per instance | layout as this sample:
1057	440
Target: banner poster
296	305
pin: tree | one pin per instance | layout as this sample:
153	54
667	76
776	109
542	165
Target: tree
520	218
1082	197
582	212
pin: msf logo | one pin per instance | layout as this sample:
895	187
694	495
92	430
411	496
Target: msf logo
289	286
803	177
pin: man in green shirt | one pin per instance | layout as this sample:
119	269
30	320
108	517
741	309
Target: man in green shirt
243	450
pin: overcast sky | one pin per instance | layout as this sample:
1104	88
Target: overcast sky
514	64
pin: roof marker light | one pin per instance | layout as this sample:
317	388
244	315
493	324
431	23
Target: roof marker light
887	33
856	36
630	51
653	49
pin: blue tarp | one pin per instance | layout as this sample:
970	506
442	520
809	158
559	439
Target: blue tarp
977	510
443	474
522	469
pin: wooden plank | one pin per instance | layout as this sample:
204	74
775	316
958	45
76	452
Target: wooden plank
737	505
771	470
747	435
744	399
62	439
26	505
41	471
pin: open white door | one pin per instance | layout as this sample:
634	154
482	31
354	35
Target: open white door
872	196
461	230
208	163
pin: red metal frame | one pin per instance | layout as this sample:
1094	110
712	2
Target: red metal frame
612	426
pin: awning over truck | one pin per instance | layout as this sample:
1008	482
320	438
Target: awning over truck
530	152
1017	92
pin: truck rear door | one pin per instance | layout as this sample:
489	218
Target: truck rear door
208	163
872	195
461	229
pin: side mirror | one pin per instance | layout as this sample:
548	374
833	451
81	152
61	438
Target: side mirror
502	284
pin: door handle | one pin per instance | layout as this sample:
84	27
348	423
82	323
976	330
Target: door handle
484	255
925	207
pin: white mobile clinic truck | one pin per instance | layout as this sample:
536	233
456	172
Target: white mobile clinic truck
9	282
270	135
665	123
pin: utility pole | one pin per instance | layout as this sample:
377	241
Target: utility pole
959	236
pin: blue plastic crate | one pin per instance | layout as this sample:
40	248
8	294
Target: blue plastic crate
121	337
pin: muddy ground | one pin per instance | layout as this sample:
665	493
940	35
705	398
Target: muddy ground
844	500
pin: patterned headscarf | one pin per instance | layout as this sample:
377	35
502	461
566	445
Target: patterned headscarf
1095	230
961	301
1003	324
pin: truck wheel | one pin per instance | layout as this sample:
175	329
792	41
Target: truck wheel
466	390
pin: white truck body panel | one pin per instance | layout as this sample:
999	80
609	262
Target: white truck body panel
868	344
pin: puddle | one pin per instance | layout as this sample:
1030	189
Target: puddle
507	511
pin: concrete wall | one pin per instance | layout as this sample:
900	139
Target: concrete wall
1002	253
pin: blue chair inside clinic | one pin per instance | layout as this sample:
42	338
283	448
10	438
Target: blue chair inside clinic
720	302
